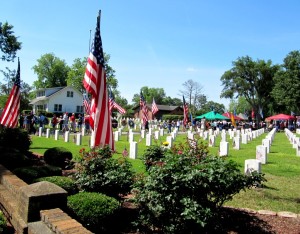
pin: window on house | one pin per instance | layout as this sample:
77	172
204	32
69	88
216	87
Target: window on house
40	93
57	107
69	93
79	109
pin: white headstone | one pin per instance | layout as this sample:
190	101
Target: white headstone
143	133
133	150
148	139
40	131
245	138
261	153
170	141
67	136
56	136
266	143
48	133
116	136
78	139
252	165
130	136
173	135
211	141
161	132
83	130
156	135
224	148
236	143
205	135
223	136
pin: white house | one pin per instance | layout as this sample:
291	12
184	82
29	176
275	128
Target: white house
58	100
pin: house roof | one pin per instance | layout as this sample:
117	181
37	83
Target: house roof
43	98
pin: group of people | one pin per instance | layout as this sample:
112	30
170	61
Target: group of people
65	122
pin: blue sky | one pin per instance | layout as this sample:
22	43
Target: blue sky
159	44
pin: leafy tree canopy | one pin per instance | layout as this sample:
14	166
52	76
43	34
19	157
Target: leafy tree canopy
9	44
51	72
286	90
250	79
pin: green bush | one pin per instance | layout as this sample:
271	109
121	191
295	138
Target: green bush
15	138
94	210
183	194
152	155
64	182
29	174
172	117
3	223
58	156
12	158
97	171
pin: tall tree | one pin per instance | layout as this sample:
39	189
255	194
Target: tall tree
77	70
211	106
286	90
250	79
51	72
149	93
9	44
192	90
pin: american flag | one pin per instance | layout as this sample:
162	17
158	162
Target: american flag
154	107
144	109
185	112
95	83
9	116
114	105
86	104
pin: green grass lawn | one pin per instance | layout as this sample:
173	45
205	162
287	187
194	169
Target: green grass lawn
281	192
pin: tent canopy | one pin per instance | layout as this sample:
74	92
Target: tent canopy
280	117
212	116
227	114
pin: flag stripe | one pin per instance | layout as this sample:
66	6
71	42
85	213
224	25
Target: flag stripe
95	83
154	107
9	116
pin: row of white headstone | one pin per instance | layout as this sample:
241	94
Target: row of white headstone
261	154
294	140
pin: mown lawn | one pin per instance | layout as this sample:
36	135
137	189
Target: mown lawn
281	192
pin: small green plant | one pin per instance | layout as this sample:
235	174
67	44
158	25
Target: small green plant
97	171
29	174
152	155
15	138
183	193
58	156
64	182
94	210
3	223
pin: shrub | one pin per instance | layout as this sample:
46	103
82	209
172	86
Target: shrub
29	174
152	155
94	210
12	158
15	138
183	194
3	223
64	182
58	156
97	171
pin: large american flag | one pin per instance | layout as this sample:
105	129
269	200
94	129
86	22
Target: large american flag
144	109
10	113
95	83
86	104
185	112
154	107
114	105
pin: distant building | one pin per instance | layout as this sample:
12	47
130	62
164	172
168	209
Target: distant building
57	100
162	110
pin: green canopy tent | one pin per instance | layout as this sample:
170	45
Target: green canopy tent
212	116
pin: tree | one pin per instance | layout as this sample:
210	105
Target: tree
51	72
9	44
192	91
239	105
286	90
77	70
251	80
211	106
149	93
